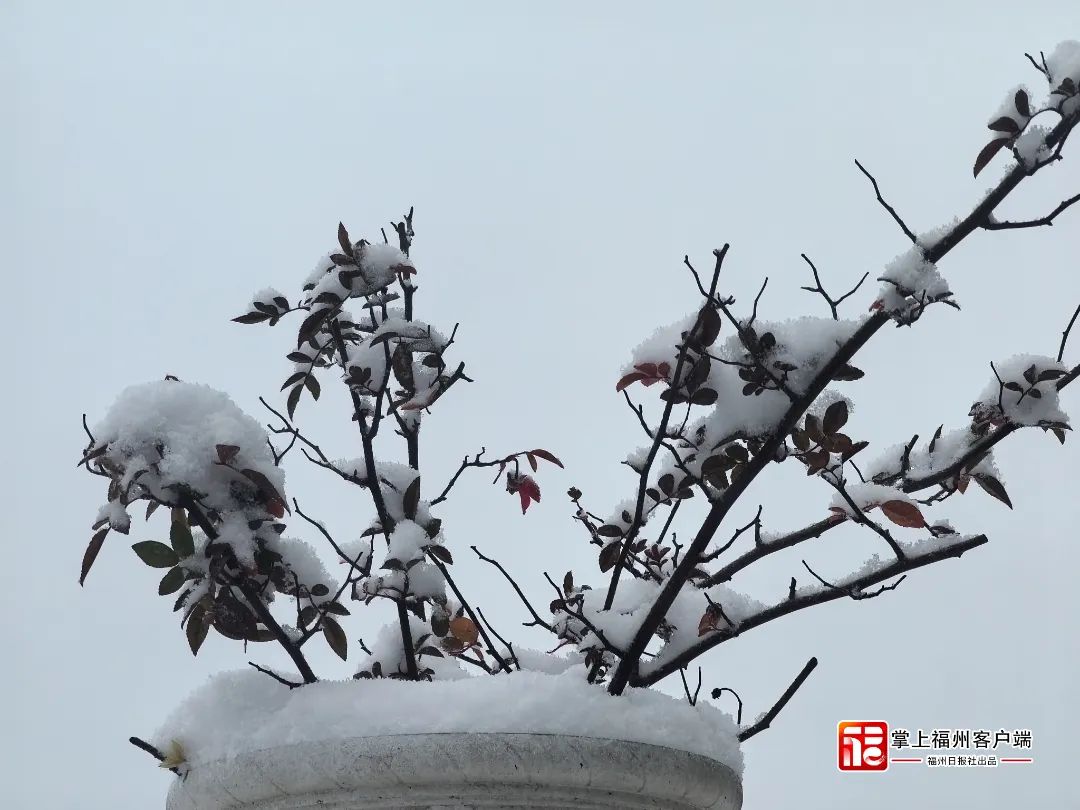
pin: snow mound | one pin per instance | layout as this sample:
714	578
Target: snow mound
241	711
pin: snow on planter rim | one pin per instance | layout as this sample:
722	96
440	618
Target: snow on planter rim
242	711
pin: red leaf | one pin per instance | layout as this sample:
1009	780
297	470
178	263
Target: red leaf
546	456
648	369
629	379
903	513
528	490
663	369
532	460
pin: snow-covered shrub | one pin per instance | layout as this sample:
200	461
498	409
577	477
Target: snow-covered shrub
737	394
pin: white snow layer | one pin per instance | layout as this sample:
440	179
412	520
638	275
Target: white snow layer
242	711
185	422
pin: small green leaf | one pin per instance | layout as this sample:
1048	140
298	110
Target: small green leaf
172	581
180	536
155	554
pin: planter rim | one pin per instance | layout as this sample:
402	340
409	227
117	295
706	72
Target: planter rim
461	769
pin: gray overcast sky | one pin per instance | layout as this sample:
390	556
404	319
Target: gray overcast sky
161	162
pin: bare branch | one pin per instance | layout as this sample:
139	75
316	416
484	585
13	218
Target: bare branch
536	616
770	715
990	225
691	698
887	207
833	303
795	603
503	665
716	693
1065	334
275	676
143	745
855	593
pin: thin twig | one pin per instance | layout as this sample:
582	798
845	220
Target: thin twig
770	715
1065	334
716	695
275	676
833	303
887	207
536	616
991	225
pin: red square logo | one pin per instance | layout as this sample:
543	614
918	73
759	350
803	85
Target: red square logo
862	745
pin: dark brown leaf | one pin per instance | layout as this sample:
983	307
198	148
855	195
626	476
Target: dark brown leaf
441	553
609	556
293	400
251	317
816	461
708	326
411	500
1021	102
346	245
1004	124
993	488
440	625
629	379
310	327
265	487
800	439
335	637
987	153
313	386
197	628
836	416
96	541
227	452
934	438
855	448
903	513
703	396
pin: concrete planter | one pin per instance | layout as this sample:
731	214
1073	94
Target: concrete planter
444	771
